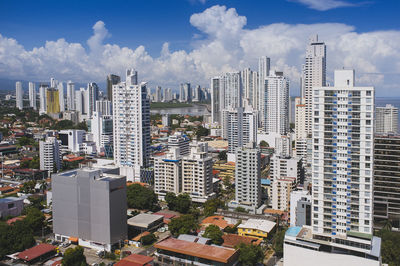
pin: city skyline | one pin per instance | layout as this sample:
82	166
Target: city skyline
236	31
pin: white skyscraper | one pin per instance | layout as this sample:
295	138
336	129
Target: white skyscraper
42	95
158	95
342	157
181	141
71	96
387	119
101	127
92	97
250	87
131	117
263	72
53	83
276	104
80	103
104	107
50	155
19	94
239	126
233	90
314	75
61	96
248	177
300	127
32	95
217	98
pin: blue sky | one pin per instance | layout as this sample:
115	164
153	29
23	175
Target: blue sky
150	24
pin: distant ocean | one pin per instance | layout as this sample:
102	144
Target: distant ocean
379	102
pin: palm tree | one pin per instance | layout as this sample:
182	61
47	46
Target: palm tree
43	185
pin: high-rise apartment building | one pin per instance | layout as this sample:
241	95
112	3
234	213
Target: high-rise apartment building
19	95
233	90
90	205
342	157
191	174
217	98
52	101
300	128
93	96
32	95
181	141
387	180
239	126
263	72
112	80
104	107
50	155
281	189
314	75
248	177
158	94
61	96
276	104
387	119
250	87
281	166
42	95
101	127
131	118
70	96
81	101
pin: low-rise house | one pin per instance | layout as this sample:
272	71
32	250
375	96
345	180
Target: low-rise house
11	206
146	222
217	220
256	228
136	260
37	253
232	240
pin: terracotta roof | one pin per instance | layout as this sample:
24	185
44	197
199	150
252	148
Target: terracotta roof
139	236
36	251
4	189
232	240
166	215
213	253
13	220
215	220
135	260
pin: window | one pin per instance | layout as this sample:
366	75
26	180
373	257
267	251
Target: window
369	93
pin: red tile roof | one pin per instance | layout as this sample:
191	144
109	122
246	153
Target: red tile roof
232	240
216	220
166	215
36	251
135	260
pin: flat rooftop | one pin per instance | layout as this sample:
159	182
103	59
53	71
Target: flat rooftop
144	219
263	225
103	176
213	253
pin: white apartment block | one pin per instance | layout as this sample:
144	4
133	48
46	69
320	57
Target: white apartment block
263	72
387	119
300	118
197	173
314	75
32	95
104	107
217	96
239	126
181	141
92	97
342	157
131	117
168	173
233	90
281	189
101	127
276	104
50	154
70	96
19	95
298	213
72	139
191	174
61	97
250	87
42	95
248	178
285	167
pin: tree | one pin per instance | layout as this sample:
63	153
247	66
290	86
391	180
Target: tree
15	237
277	242
141	198
43	185
148	239
222	155
202	131
35	219
74	257
250	254
214	233
23	141
263	143
34	163
180	203
240	209
185	224
29	187
82	125
211	206
390	248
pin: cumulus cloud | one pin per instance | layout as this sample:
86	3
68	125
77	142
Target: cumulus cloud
323	5
226	45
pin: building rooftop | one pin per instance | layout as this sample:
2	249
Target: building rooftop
262	225
135	260
217	220
36	251
9	199
144	219
194	239
232	240
214	253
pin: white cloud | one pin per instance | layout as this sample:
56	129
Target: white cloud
323	5
226	45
